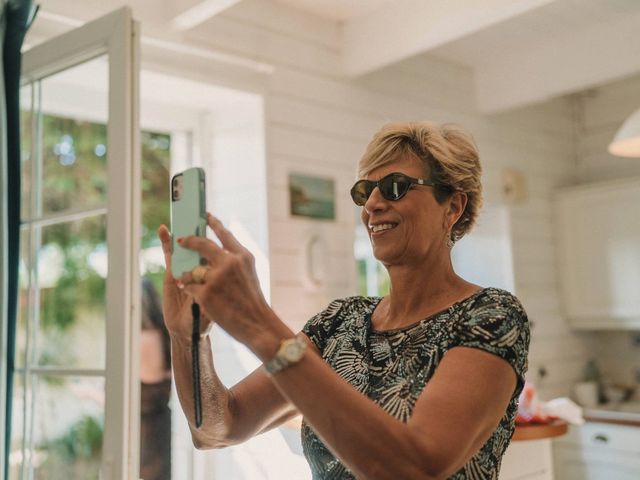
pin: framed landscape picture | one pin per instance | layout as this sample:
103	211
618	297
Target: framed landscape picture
312	196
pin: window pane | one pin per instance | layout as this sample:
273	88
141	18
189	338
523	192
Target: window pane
23	300
74	137
156	156
26	146
17	459
68	417
72	270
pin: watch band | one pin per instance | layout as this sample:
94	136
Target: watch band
290	352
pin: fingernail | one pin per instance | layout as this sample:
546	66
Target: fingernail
180	240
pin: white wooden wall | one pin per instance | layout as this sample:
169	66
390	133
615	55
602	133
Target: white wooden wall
318	122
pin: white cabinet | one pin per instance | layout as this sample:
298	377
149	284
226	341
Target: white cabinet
528	460
598	229
598	451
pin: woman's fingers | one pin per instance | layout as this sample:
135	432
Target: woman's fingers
228	240
165	239
205	247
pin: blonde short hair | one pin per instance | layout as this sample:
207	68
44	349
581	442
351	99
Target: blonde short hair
450	156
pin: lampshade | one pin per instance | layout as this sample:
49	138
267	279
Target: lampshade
627	141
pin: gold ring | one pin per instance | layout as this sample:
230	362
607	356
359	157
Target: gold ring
199	273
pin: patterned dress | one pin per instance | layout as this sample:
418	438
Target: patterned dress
392	367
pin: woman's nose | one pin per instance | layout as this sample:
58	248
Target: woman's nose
376	201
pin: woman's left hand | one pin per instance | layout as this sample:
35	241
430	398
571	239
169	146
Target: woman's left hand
230	293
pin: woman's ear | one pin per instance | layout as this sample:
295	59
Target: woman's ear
457	204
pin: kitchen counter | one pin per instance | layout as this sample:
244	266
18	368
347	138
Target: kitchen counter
626	413
539	432
612	415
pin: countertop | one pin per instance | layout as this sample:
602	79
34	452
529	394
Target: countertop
612	414
540	432
627	413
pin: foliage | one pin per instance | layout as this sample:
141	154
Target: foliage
74	164
76	453
82	440
155	185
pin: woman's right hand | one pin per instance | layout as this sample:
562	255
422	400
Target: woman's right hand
176	304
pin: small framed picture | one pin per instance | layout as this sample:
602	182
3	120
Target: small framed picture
312	196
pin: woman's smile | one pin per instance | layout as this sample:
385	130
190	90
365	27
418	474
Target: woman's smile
381	228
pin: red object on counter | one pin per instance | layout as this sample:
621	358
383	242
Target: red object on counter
529	412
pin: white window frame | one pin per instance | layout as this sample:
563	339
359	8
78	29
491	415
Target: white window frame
115	35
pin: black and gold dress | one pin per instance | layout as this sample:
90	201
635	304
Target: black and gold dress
392	367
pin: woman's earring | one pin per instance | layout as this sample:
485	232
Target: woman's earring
450	241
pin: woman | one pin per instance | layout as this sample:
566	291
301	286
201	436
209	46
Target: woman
155	389
421	384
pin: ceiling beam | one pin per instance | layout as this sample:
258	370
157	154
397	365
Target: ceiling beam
187	14
395	33
557	66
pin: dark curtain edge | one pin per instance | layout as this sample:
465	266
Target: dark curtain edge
18	16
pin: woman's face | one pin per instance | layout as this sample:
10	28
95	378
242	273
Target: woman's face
419	223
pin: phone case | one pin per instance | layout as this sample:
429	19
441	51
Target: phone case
188	217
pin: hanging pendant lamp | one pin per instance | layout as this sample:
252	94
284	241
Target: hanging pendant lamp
626	143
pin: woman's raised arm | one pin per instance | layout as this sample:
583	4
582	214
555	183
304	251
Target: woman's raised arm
229	416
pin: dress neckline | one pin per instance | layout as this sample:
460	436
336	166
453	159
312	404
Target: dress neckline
391	331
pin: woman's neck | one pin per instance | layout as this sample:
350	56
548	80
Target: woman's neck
419	290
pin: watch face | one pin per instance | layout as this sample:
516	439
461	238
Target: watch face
292	351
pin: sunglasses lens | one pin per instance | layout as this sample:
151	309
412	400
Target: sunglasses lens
394	187
360	192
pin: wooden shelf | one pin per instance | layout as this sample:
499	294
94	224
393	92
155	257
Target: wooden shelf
539	432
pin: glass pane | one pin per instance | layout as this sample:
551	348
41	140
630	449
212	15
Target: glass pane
68	421
74	137
156	157
26	147
17	459
72	271
24	308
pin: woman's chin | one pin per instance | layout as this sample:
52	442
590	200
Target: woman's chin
385	256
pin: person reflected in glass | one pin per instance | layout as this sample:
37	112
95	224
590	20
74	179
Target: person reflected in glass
155	387
422	383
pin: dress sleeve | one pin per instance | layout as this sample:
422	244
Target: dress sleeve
320	327
498	324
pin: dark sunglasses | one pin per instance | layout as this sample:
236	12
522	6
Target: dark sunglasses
392	187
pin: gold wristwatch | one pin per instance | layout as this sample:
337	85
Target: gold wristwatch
290	352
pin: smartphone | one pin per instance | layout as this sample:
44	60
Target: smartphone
188	217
